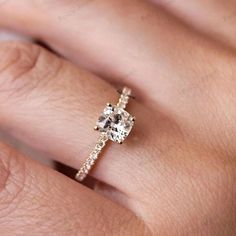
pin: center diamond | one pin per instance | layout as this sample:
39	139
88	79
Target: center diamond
116	122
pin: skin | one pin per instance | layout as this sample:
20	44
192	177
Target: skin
175	174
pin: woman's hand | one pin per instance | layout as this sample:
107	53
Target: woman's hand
175	174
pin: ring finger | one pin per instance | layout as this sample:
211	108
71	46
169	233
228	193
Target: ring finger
54	109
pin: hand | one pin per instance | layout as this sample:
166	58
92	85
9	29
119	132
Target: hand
175	174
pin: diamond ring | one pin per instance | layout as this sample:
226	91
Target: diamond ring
114	124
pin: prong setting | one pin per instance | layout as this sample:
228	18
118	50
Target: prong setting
116	123
96	128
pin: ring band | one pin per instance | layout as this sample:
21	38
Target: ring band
114	124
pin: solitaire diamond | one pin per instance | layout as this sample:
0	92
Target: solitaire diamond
116	122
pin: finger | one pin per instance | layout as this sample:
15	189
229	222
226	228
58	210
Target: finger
54	110
41	201
132	41
214	18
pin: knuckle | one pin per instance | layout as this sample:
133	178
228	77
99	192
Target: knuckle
12	180
23	67
18	57
17	60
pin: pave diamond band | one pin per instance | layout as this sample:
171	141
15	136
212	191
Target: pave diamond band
89	163
124	98
114	124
